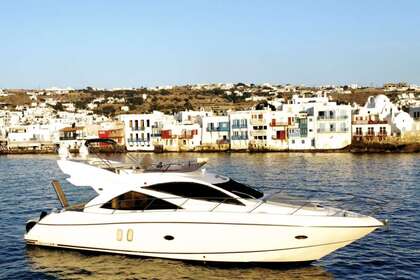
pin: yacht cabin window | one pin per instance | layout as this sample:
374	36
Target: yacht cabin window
138	201
240	189
194	191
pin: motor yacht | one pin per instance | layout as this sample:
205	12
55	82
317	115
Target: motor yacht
191	215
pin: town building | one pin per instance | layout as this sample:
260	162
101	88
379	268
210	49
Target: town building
215	133
142	130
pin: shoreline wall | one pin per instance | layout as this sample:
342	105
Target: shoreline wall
356	148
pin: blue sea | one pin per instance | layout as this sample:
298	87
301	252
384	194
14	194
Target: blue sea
390	253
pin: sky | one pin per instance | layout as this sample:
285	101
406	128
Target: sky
83	43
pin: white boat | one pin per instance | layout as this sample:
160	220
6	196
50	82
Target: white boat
192	216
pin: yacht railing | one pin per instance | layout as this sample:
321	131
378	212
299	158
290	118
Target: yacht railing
343	201
337	205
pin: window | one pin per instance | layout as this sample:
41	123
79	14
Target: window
303	141
382	130
358	131
239	189
370	131
343	127
148	123
138	201
243	123
195	191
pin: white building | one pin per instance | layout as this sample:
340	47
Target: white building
333	125
215	130
190	117
240	130
178	137
34	136
268	130
142	130
380	106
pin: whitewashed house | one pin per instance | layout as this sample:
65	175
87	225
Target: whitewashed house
380	105
402	123
240	129
29	136
178	137
215	132
190	117
142	130
333	125
369	127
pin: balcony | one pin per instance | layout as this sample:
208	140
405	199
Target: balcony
369	122
332	118
155	135
335	131
238	126
276	124
257	122
258	132
138	128
222	141
217	129
239	137
186	136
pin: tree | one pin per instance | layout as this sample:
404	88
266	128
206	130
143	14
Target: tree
80	104
188	105
58	106
108	110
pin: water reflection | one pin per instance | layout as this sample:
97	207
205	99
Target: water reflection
65	264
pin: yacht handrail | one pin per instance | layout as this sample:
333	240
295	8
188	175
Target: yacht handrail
296	204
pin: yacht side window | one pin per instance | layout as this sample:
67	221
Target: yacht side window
194	191
138	201
240	189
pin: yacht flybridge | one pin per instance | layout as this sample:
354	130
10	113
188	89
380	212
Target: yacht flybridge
191	215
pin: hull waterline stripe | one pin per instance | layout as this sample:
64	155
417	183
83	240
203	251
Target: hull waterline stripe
206	223
190	253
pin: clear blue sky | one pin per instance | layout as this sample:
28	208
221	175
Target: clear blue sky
82	43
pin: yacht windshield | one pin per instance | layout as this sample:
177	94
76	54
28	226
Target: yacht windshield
239	189
194	191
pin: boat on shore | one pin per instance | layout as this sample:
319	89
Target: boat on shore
190	214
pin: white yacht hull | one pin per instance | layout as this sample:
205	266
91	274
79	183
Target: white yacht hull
219	237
